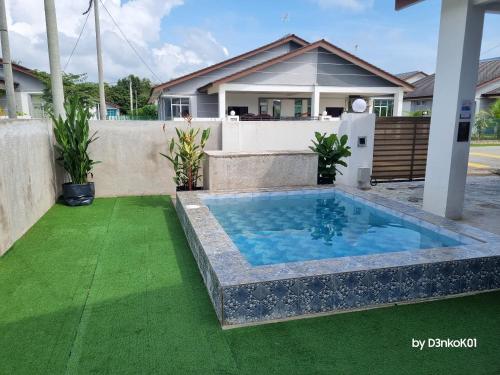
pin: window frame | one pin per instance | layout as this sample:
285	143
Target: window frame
387	107
181	105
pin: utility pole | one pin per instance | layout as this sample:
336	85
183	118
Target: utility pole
131	96
54	59
100	72
7	65
136	101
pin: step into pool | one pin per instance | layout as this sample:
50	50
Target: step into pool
280	254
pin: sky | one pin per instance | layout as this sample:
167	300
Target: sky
175	37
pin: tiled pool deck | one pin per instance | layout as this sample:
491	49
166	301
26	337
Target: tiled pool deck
242	294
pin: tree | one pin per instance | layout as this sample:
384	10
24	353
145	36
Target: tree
74	85
120	94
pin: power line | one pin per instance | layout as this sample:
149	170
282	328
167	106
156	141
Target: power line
490	49
129	43
76	43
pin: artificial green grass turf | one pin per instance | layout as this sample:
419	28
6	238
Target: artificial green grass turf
113	288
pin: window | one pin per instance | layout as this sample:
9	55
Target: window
298	108
180	107
112	112
383	107
263	108
276	108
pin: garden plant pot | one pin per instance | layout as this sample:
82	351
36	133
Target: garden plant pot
325	180
78	194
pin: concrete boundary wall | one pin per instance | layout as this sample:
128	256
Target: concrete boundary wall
28	177
129	152
131	163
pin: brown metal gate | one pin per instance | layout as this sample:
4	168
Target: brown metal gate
400	148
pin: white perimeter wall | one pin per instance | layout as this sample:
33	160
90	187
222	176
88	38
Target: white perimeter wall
273	135
248	136
28	182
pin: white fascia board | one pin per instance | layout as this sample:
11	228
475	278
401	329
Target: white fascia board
488	87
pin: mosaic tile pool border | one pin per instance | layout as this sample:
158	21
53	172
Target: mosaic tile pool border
242	294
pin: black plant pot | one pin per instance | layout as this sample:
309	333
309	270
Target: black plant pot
78	194
325	180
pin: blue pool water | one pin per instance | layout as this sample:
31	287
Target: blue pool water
270	229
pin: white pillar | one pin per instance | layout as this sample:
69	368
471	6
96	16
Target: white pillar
315	102
459	45
398	103
54	59
7	66
100	72
222	102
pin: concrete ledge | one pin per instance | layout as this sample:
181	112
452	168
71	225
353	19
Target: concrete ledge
242	170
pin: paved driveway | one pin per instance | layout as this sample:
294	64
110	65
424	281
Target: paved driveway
484	159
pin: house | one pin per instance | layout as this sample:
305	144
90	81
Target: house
28	91
288	78
487	89
412	77
112	111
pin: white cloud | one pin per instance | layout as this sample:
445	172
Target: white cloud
140	20
354	5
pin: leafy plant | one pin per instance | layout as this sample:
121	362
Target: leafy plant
73	140
186	155
331	150
483	120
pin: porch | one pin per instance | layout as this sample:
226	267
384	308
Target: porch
255	102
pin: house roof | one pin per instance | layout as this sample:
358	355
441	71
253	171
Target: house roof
494	92
488	72
320	43
286	39
406	75
400	4
22	69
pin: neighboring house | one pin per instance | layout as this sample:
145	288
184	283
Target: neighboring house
288	78
412	77
28	91
112	111
487	90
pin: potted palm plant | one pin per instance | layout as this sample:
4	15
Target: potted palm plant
73	138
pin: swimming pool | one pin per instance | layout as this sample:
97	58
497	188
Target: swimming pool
282	228
288	253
